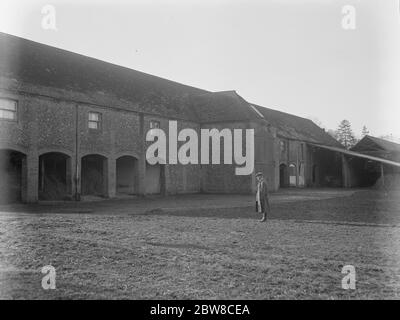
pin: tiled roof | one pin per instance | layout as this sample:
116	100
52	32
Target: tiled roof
373	143
41	69
34	66
297	128
222	106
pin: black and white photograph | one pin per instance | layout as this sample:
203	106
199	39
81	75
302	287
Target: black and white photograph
213	151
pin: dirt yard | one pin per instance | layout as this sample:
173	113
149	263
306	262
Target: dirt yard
173	250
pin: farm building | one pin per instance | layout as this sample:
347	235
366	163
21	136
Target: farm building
72	127
368	172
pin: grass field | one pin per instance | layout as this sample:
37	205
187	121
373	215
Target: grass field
207	254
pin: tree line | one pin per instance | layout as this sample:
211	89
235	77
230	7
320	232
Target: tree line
345	135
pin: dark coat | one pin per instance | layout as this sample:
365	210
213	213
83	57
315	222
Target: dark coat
263	198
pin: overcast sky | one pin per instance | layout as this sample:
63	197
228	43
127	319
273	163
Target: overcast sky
290	55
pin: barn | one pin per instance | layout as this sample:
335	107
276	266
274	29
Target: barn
368	172
73	128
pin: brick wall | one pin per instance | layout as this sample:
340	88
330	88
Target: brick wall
49	125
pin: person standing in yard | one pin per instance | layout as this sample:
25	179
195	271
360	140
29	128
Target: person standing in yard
262	201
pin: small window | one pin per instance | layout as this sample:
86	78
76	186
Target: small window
154	124
94	120
8	109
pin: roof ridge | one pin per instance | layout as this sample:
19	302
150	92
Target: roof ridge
383	141
294	127
250	106
283	112
61	50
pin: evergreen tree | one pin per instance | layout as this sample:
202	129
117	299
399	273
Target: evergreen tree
345	134
364	131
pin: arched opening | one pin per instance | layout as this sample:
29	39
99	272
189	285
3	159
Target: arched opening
94	175
54	176
282	175
127	175
292	175
13	176
155	177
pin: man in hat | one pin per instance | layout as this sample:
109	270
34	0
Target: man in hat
262	202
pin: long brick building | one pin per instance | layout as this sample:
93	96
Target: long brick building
73	126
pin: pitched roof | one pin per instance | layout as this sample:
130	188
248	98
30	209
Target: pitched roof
297	128
34	66
360	155
41	69
222	106
370	143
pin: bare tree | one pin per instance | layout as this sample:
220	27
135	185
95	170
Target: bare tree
333	133
317	122
390	137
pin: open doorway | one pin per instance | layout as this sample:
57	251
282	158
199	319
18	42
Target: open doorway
155	179
292	175
13	176
283	176
127	175
94	175
54	176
